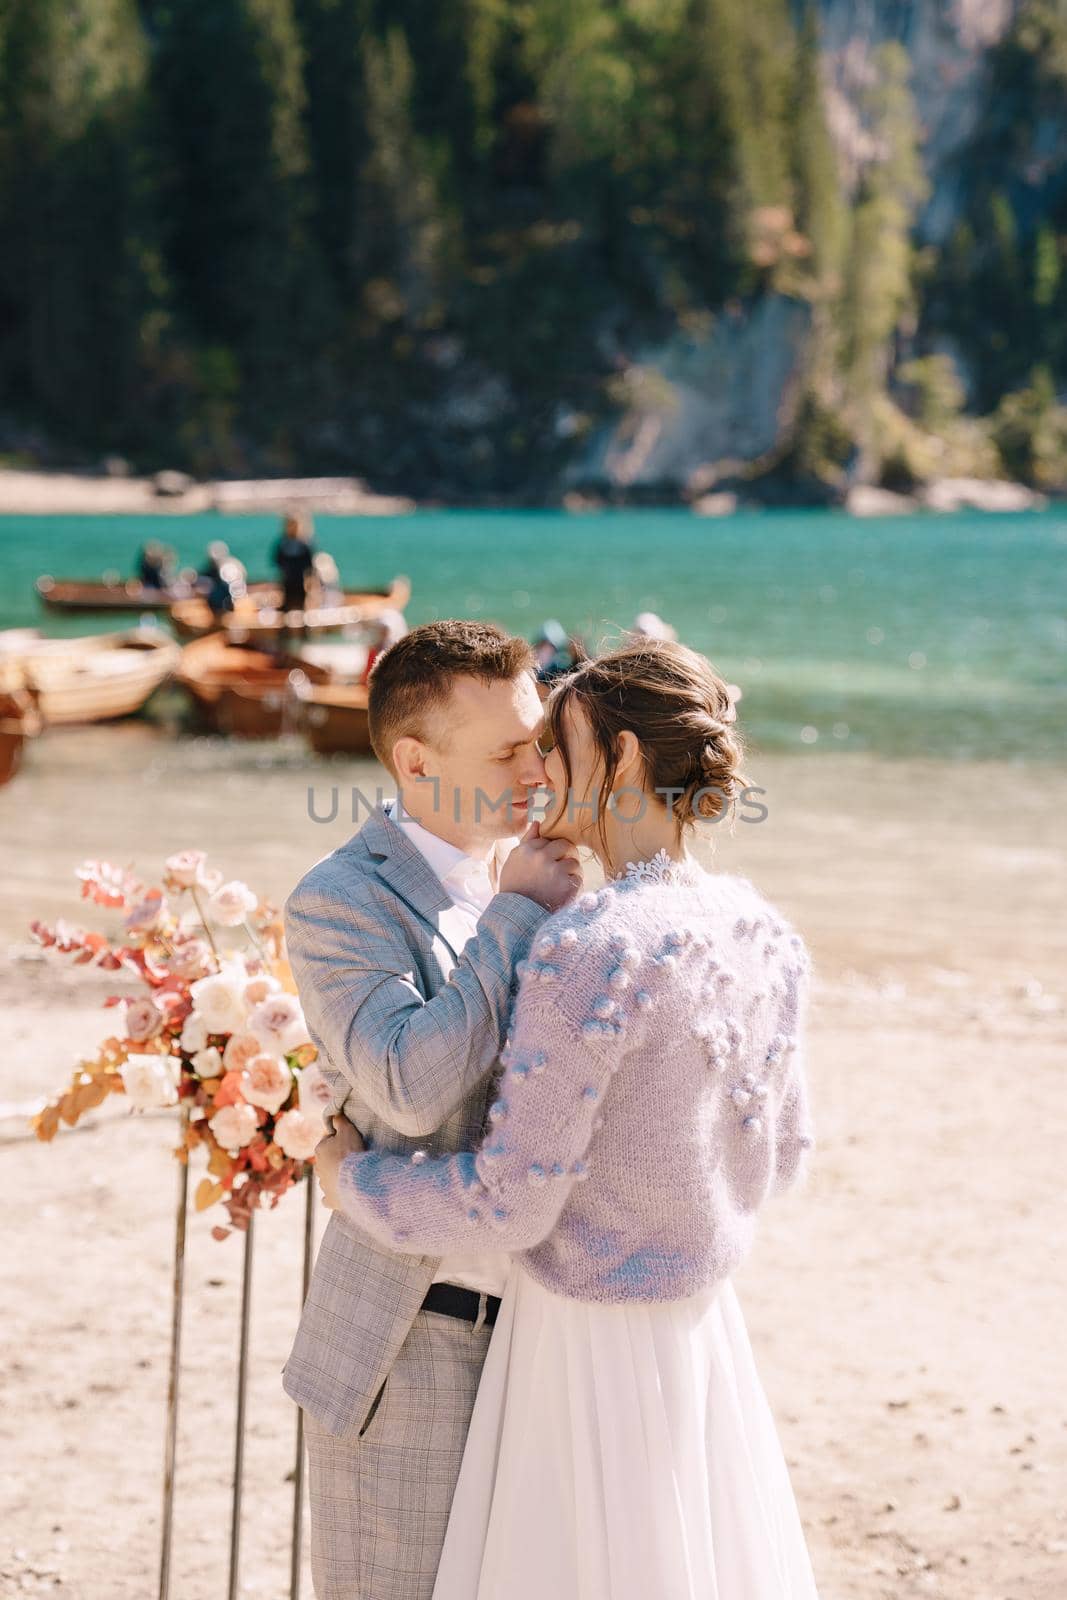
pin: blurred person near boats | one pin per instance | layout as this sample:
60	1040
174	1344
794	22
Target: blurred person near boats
388	626
650	625
293	556
156	566
221	579
328	579
554	652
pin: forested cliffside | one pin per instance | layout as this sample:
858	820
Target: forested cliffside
497	251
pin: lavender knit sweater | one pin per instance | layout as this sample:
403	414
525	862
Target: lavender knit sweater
654	1095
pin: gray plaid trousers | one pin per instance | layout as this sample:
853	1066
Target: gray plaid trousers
380	1501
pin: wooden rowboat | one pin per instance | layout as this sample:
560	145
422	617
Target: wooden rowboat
334	718
244	691
87	595
256	618
14	640
99	677
20	719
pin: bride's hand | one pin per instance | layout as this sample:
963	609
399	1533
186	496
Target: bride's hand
330	1152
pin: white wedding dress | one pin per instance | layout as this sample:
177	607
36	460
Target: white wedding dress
622	1452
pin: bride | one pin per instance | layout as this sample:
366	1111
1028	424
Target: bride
654	1096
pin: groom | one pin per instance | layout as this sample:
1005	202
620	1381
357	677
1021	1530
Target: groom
404	943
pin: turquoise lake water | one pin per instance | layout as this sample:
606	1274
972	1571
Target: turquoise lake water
926	635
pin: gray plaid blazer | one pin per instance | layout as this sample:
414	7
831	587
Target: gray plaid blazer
409	1026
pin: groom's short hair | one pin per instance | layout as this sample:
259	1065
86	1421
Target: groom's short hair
415	676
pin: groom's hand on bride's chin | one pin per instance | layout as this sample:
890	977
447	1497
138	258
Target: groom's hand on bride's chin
544	870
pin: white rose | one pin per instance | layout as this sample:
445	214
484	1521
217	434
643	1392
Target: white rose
193	1036
278	1023
150	1081
234	1126
297	1134
218	998
208	1063
231	904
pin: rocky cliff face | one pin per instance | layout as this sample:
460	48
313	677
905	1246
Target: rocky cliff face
726	394
711	396
946	41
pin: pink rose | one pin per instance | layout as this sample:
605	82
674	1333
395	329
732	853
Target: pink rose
183	869
145	915
267	1082
297	1135
241	1050
231	904
234	1126
191	957
261	987
143	1020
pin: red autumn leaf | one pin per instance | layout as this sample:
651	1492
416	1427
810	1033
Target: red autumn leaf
228	1092
257	1157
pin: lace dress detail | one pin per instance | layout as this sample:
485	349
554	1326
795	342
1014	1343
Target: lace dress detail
660	868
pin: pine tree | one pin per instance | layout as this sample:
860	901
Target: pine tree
820	211
879	288
229	81
406	229
81	282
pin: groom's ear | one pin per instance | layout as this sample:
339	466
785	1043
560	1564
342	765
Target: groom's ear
409	757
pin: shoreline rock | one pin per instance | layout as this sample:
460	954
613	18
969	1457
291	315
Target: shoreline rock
980	494
867	500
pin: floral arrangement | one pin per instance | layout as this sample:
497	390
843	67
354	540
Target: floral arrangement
218	1031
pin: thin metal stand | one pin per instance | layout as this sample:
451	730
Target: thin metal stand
170	1449
174	1385
242	1388
298	1470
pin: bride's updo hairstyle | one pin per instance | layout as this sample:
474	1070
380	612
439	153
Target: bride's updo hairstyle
681	714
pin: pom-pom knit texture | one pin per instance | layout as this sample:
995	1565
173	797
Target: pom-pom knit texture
654	1095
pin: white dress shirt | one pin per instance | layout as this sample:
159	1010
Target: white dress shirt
467	882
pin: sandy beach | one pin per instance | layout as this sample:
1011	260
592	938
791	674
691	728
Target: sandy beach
905	1307
29	493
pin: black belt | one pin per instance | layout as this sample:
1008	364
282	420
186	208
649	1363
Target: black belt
454	1301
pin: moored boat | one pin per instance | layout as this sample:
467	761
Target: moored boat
20	719
89	595
334	718
243	690
14	640
96	678
258	619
